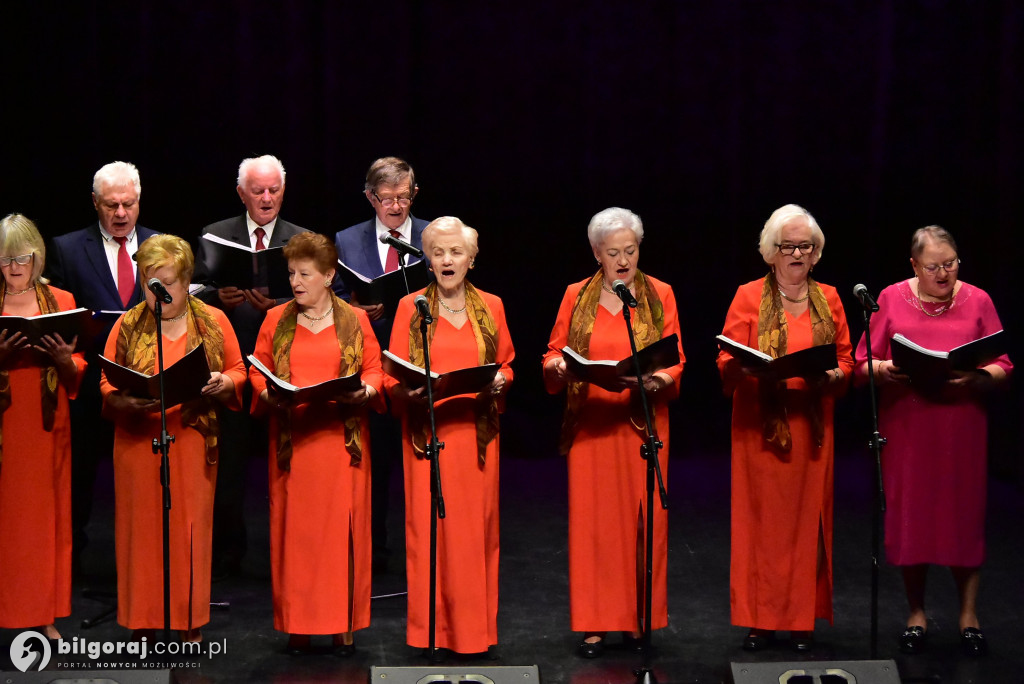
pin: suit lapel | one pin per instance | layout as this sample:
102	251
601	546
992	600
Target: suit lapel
96	255
370	254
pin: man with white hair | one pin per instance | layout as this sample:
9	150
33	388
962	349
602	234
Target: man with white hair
95	265
261	183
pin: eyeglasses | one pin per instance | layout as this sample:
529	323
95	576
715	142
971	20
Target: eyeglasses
805	248
21	260
951	266
389	202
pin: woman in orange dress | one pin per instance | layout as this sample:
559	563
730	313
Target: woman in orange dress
138	507
319	453
781	574
468	330
607	476
35	441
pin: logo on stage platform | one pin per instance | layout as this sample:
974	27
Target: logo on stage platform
30	651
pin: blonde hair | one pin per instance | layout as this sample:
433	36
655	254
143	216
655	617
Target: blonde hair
773	227
18	232
451	224
166	250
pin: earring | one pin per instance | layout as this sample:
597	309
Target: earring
327	283
472	263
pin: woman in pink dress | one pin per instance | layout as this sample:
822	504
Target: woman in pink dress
934	463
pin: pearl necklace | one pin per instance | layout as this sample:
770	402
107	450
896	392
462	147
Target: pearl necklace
176	318
320	317
449	309
795	301
20	292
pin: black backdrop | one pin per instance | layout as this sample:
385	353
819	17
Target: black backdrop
524	119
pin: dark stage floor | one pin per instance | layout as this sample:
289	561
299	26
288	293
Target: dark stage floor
699	644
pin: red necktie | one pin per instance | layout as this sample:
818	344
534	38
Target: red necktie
125	272
391	263
260	234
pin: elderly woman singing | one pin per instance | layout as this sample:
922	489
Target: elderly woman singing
187	323
602	433
934	465
781	574
468	330
35	441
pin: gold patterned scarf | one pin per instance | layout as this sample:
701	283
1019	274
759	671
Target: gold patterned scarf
772	338
647	321
48	379
350	344
136	349
485	331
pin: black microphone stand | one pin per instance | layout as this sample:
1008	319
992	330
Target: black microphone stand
878	505
436	498
162	446
648	452
401	267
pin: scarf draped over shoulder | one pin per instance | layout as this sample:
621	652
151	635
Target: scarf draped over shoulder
350	344
648	322
137	349
48	379
772	338
485	331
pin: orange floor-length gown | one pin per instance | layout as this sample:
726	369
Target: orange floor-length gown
138	507
608	483
467	538
320	541
35	497
780	501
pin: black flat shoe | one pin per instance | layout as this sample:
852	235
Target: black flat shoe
913	640
973	641
298	645
591	649
632	643
803	642
758	639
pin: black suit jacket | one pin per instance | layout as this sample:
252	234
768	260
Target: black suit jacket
245	320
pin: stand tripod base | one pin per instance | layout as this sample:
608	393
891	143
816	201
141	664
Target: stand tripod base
644	676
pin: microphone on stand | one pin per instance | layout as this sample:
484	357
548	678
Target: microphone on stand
402	246
423	308
158	289
864	297
625	295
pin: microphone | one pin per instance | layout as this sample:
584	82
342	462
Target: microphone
423	307
158	290
402	246
865	298
624	294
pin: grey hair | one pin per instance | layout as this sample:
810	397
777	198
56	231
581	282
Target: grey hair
773	227
18	232
248	164
611	220
935	233
450	224
390	170
117	174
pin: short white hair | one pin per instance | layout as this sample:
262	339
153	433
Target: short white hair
248	164
773	227
450	224
117	174
611	220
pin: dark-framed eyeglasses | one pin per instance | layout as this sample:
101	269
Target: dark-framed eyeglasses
389	202
22	259
804	247
951	266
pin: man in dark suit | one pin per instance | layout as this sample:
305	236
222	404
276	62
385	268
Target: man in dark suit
390	189
95	265
261	183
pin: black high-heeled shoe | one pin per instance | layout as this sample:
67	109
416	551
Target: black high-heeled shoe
758	639
973	642
298	645
913	640
591	649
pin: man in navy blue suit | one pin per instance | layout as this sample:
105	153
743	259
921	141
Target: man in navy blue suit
390	189
261	184
95	265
